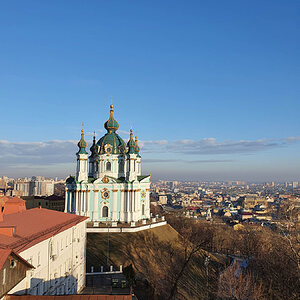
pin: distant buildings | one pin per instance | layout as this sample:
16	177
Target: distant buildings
36	186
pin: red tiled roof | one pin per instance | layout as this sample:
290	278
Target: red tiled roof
35	225
4	254
70	297
12	205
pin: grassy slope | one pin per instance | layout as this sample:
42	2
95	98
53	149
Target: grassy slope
156	255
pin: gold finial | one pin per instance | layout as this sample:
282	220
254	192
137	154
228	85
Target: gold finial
82	130
131	134
136	139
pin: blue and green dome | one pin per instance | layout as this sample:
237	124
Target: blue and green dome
111	142
131	143
111	125
94	148
82	144
137	148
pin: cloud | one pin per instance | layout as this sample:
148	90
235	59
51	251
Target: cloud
123	131
212	146
150	160
60	155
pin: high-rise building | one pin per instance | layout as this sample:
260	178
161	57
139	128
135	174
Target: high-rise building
36	186
108	185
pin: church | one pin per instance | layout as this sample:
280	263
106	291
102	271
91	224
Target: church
108	185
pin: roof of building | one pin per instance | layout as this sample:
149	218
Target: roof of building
11	205
5	253
33	226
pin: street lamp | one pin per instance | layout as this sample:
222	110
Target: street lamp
206	263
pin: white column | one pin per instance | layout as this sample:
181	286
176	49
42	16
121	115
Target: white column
95	209
134	205
72	204
80	202
77	202
122	206
84	202
138	205
129	206
66	200
147	204
114	208
88	193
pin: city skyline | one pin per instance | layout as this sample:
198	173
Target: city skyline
211	95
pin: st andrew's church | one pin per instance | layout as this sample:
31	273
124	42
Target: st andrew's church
108	185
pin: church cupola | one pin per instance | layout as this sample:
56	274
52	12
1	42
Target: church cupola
136	148
111	142
94	148
82	157
82	144
93	158
131	144
111	125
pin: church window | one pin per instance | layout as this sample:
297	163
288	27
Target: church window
121	166
105	212
108	166
143	209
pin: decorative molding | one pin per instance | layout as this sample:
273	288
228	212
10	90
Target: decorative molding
105	179
105	194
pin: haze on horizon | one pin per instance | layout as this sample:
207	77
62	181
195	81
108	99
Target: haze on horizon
211	89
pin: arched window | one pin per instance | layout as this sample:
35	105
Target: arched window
108	166
143	209
105	212
121	166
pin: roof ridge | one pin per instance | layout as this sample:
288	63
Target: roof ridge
28	239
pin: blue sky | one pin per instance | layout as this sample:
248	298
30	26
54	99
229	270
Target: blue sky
210	87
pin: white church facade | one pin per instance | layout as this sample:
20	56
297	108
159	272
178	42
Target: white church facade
108	185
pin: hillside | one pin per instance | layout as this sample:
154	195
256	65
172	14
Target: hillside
157	256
